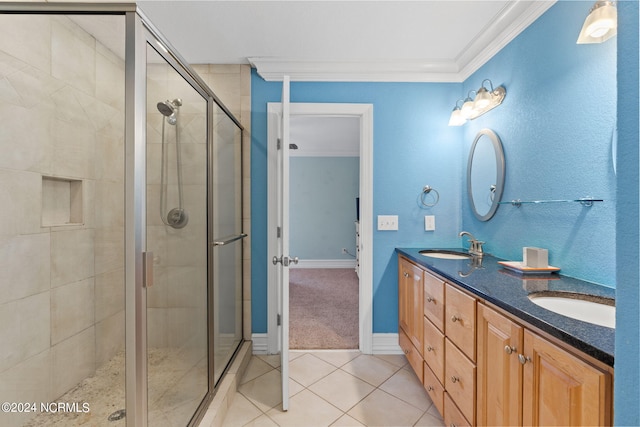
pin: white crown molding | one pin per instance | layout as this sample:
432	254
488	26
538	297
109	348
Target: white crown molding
510	22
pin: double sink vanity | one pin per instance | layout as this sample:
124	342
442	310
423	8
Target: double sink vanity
489	353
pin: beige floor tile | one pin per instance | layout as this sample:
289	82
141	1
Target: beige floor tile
399	360
406	386
271	359
261	421
264	391
382	409
347	421
371	369
308	369
294	387
341	389
255	368
241	412
337	358
430	420
306	409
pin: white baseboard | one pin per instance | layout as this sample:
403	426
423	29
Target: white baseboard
386	344
382	344
259	343
325	263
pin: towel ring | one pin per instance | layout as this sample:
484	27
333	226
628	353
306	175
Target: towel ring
427	190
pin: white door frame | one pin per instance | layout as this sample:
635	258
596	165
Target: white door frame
365	113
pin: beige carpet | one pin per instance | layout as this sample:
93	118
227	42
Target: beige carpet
323	308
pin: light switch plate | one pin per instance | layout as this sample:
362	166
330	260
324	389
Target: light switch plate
387	222
429	223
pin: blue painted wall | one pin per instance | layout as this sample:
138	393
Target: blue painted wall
413	146
627	380
556	125
557	128
323	206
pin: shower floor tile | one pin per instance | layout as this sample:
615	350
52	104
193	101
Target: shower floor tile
176	387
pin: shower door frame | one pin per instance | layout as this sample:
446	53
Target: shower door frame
140	34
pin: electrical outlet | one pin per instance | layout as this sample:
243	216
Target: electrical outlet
429	223
387	222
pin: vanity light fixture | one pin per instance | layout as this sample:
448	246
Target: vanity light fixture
456	118
485	100
468	106
601	24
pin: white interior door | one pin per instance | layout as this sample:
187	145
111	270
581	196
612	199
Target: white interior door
282	260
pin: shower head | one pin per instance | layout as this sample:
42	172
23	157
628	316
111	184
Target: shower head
166	108
169	109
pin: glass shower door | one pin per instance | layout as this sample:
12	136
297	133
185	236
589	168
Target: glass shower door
176	205
226	182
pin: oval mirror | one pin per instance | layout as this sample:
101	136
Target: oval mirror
485	174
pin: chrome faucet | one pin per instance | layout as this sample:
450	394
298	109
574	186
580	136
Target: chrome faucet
475	247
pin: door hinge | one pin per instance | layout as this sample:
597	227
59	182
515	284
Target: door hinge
278	232
279	320
279	144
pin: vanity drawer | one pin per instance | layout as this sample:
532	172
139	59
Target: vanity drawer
460	380
434	388
433	350
452	415
460	320
413	356
434	300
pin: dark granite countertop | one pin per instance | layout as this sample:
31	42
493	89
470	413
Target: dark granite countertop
508	290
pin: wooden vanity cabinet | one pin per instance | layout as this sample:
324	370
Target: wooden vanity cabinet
410	310
524	379
500	340
561	389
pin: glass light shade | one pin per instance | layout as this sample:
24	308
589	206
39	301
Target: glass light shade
483	99
456	118
600	25
467	108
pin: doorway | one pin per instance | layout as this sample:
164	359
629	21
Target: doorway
323	287
363	113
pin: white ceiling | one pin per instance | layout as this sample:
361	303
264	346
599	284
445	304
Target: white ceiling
358	40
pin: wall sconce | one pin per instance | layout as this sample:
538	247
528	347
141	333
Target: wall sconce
456	118
484	101
601	24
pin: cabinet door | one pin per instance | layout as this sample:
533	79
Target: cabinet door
560	389
460	380
434	300
460	320
411	301
404	293
433	349
499	371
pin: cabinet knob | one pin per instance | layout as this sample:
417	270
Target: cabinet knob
508	349
429	388
429	299
523	359
405	274
455	379
455	318
429	348
407	351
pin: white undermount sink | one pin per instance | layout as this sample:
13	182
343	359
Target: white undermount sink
587	308
444	254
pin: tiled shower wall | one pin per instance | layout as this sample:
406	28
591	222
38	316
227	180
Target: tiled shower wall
61	285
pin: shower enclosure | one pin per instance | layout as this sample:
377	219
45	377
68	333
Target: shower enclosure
121	236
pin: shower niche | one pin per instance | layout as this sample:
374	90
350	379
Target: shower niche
62	201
